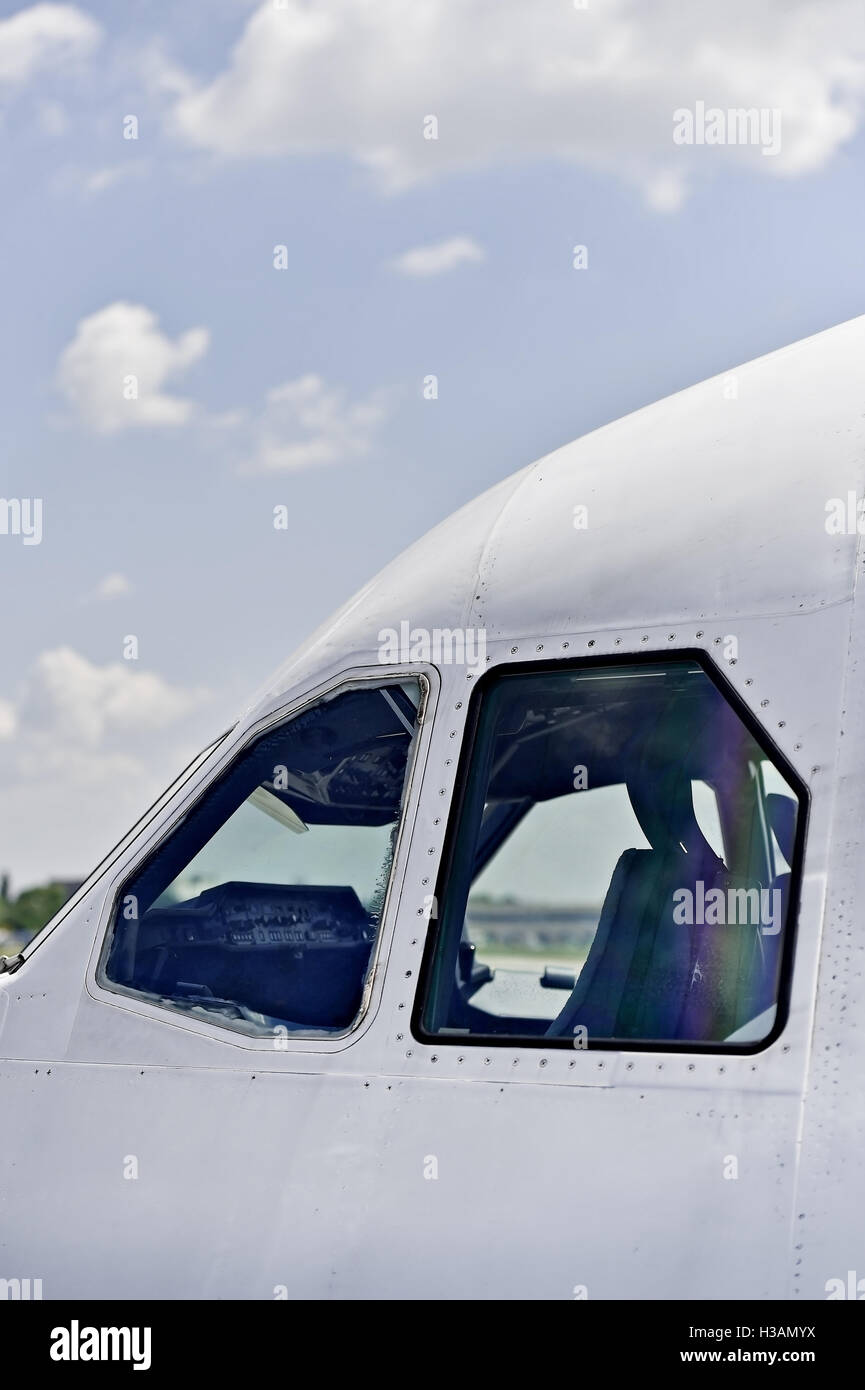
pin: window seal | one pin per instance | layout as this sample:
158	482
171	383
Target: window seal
701	658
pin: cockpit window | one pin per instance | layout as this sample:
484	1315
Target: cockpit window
619	872
261	911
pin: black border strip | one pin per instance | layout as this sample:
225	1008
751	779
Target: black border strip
643	658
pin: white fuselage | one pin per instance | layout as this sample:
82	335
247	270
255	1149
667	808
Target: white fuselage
303	1170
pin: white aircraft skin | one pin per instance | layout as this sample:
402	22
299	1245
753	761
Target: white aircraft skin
562	1173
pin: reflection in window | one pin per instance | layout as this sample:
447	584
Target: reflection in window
261	911
620	869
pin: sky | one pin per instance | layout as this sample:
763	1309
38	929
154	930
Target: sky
236	238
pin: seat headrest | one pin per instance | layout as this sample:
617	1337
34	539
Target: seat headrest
660	790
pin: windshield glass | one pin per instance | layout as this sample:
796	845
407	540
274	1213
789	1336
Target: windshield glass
621	867
262	909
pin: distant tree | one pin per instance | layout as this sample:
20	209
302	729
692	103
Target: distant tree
33	908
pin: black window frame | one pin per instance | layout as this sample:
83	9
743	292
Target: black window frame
771	751
127	996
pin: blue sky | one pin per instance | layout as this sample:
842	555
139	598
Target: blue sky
300	125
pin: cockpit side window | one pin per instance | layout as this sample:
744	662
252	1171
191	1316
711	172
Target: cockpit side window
261	911
620	867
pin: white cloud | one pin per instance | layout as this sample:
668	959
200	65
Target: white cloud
71	178
161	75
113	371
100	179
438	258
120	350
83	750
73	702
306	424
667	191
44	37
112	586
8	719
511	81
